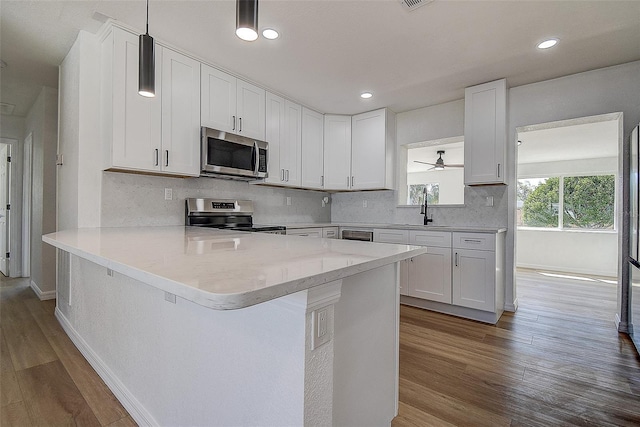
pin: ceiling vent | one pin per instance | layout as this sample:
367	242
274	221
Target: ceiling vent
414	4
6	109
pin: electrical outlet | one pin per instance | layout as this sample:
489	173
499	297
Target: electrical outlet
168	194
488	201
364	203
320	324
288	201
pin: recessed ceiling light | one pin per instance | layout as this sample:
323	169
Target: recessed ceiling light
270	33
366	95
547	44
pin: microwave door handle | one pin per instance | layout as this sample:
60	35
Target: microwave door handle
256	158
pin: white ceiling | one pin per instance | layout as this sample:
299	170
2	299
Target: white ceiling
577	142
330	51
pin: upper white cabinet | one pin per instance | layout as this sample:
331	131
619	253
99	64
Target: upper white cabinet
232	105
312	149
337	152
372	150
156	135
485	133
283	133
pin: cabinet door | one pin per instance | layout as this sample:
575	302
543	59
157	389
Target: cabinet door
337	152
291	151
218	100
305	232
136	119
474	279
312	149
275	125
180	114
485	133
251	111
430	275
368	150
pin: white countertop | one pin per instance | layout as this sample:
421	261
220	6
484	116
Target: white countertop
419	227
225	269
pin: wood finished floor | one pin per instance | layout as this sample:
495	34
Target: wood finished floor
557	361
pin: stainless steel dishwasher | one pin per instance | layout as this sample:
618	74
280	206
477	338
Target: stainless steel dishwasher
363	236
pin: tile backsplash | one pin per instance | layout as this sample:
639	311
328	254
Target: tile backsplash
381	207
130	200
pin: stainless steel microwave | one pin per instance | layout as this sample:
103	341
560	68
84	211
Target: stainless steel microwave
226	155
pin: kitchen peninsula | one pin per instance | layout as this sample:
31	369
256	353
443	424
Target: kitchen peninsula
192	326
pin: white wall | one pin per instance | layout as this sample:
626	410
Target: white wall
12	128
450	183
581	252
42	122
602	91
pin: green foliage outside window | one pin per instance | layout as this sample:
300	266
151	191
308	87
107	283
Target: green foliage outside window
589	202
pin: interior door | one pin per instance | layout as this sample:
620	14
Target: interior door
4	223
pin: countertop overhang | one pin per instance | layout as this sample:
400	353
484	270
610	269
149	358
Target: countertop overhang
225	270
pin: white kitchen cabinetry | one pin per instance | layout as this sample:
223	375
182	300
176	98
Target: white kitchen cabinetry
337	152
305	232
478	271
232	105
312	149
154	135
430	273
330	232
384	235
485	133
372	150
283	133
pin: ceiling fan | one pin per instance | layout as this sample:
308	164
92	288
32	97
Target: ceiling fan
440	164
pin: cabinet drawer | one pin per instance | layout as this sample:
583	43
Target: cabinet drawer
440	239
477	241
305	232
391	236
330	232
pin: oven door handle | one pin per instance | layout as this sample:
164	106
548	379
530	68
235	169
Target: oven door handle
256	158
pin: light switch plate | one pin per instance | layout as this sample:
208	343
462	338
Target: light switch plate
168	194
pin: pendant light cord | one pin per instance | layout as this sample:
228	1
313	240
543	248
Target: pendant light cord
147	17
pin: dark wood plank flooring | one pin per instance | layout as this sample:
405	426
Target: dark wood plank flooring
557	361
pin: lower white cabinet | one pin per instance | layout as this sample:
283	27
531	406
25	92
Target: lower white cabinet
305	232
478	271
330	232
430	275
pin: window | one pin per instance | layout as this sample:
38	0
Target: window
586	202
416	194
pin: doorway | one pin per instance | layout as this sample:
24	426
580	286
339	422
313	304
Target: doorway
5	200
569	203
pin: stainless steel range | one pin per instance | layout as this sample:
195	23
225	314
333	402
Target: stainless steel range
226	213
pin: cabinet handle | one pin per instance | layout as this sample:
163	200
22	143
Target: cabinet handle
167	151
157	160
321	180
472	241
240	130
234	122
352	181
347	182
456	259
281	174
287	175
498	170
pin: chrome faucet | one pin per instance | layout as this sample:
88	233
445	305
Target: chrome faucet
424	207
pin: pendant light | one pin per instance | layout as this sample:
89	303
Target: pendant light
146	63
247	19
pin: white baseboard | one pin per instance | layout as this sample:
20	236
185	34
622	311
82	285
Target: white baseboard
42	295
139	414
511	307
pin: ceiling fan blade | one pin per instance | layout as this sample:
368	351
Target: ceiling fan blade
424	163
454	166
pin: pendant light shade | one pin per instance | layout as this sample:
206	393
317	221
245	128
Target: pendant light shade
146	63
247	19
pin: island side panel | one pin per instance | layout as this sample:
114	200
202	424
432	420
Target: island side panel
184	364
366	349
